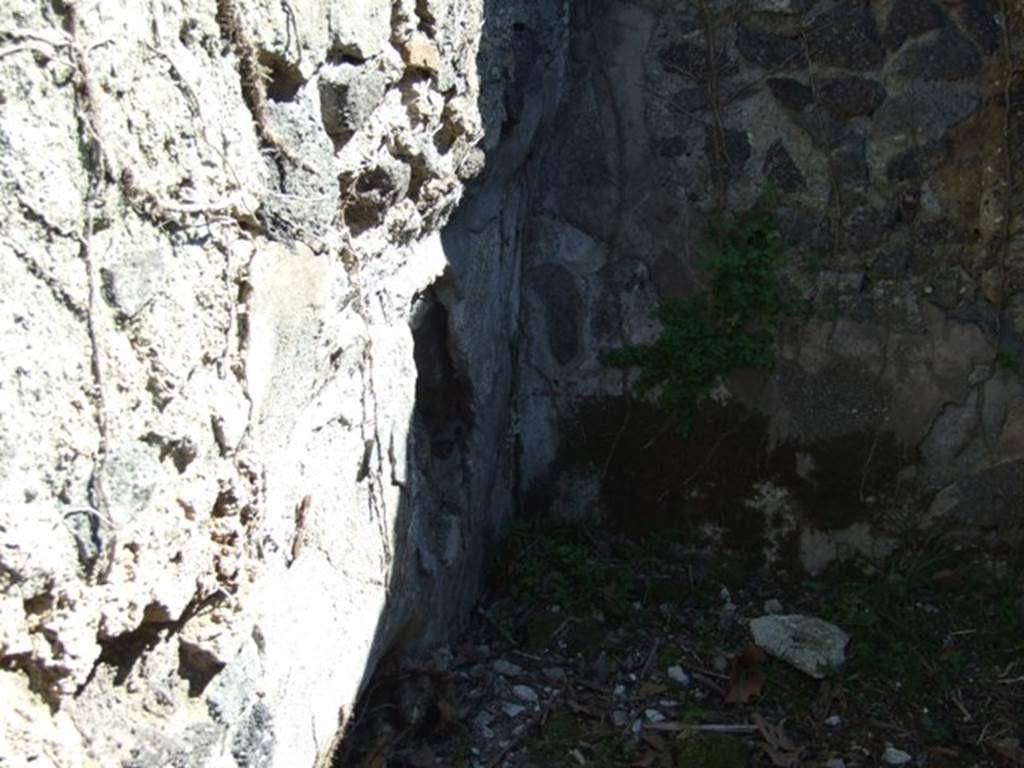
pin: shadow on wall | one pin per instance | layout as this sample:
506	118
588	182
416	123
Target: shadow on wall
461	465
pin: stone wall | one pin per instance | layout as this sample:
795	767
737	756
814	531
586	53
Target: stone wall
254	417
892	133
304	300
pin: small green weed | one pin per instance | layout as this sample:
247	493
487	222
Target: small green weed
1009	359
713	751
729	327
910	634
559	565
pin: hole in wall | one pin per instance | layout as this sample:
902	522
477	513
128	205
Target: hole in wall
443	391
197	666
285	78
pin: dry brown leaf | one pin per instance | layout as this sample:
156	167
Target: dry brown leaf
422	758
829	694
747	677
449	712
644	761
655	742
649	689
779	758
779	747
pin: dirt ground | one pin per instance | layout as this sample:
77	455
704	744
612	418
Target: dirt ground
596	649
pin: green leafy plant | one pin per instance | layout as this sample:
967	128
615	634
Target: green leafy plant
1009	359
903	625
731	326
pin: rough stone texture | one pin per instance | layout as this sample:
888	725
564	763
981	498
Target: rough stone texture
845	37
304	301
813	646
947	56
225	495
911	18
886	150
848	97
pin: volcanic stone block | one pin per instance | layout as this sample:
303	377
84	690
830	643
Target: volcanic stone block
791	93
768	50
950	56
911	18
846	37
846	97
781	170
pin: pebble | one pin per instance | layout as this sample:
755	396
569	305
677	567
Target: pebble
813	646
619	719
507	668
555	673
513	710
836	762
620	690
833	720
893	756
772	606
654	716
525	693
720	664
676	674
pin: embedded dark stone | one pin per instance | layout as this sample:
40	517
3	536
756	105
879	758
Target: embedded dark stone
692	99
846	37
846	97
915	163
911	18
690	60
825	131
850	162
673	146
771	51
927	111
804	227
939	232
978	18
891	264
904	167
736	146
791	93
950	56
866	228
780	169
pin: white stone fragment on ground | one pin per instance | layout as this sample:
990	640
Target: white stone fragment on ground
893	756
772	606
620	690
654	716
507	668
619	718
513	710
483	718
555	673
525	693
833	720
812	645
678	675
